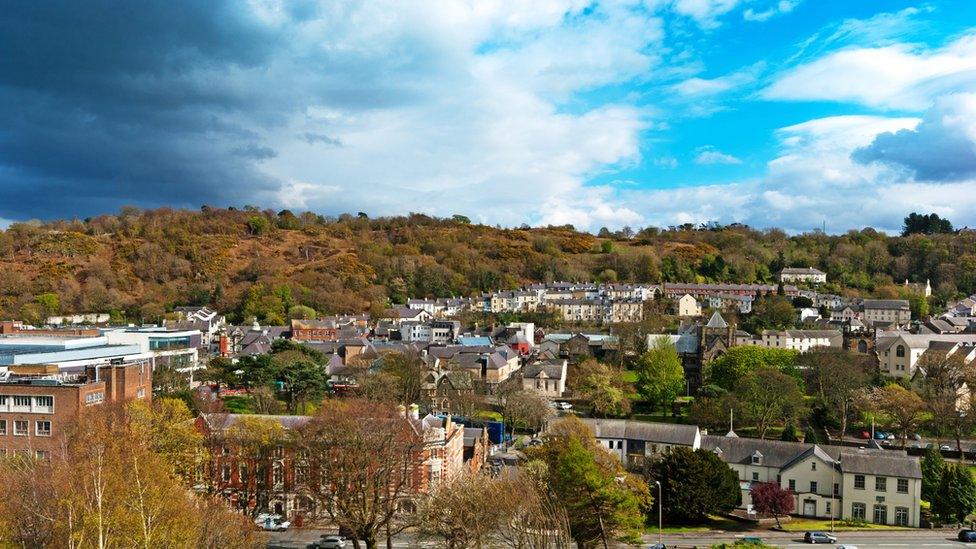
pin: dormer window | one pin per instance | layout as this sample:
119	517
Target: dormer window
757	458
900	351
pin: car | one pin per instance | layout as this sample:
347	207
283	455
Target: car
880	435
890	436
945	448
563	406
274	523
846	547
657	546
865	434
967	535
331	541
751	539
819	537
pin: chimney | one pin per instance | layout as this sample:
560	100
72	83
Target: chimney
414	411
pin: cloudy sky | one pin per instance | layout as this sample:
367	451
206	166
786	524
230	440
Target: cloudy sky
788	113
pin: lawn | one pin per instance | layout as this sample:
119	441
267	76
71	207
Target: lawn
803	525
714	523
238	404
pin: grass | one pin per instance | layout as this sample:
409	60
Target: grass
238	404
803	525
713	523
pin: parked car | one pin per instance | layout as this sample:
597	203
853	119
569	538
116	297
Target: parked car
880	435
563	406
275	523
846	547
865	434
945	448
819	537
967	535
329	541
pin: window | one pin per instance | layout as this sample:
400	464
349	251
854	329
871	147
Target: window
813	486
827	508
141	392
42	428
44	401
792	485
3	400
901	516
42	455
902	487
279	474
900	351
857	511
225	474
94	398
225	450
813	465
3	427
755	477
20	428
779	480
858	482
836	490
242	473
22	401
881	514
880	484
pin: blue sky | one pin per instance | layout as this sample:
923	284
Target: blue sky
786	113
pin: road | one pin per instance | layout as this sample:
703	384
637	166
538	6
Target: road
878	539
299	539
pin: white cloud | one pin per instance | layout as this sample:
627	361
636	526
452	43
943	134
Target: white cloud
666	162
898	76
710	155
942	147
479	129
705	12
779	8
702	87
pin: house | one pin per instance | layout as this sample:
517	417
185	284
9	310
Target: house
702	291
807	275
448	391
898	352
879	486
797	340
886	311
924	290
546	376
688	306
397	315
576	345
635	442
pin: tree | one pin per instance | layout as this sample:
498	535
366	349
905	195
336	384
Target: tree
933	465
925	224
526	408
945	390
456	511
835	378
771	313
222	372
603	387
769	396
660	376
304	382
898	407
602	501
694	484
301	312
463	219
166	426
726	370
769	498
607	246
360	456
956	497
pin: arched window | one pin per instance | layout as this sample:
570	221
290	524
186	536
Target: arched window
862	346
900	351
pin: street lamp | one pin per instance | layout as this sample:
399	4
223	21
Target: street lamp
660	514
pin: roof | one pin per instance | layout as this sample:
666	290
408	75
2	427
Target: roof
667	433
900	304
802	271
880	463
554	369
717	321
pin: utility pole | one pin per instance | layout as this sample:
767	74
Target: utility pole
660	515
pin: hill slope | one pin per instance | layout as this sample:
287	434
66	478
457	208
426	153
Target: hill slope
141	263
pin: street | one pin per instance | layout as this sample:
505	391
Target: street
794	540
299	539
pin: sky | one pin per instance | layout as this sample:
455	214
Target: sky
796	114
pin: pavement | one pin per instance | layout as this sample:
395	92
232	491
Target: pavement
794	540
300	538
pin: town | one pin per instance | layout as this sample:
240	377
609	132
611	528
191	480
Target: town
813	415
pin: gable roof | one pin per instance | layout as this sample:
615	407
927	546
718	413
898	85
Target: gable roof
667	433
879	463
717	321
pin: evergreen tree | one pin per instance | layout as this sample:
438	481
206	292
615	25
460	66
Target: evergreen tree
695	484
660	376
932	468
789	433
956	497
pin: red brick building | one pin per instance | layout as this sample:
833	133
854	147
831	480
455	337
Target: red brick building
35	408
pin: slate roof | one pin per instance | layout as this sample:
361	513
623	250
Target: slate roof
878	463
717	321
554	369
900	304
667	433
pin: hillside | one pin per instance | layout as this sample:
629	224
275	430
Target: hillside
140	264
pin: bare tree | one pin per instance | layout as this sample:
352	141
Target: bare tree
945	388
835	377
361	457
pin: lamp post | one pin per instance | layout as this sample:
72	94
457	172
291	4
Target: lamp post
660	514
